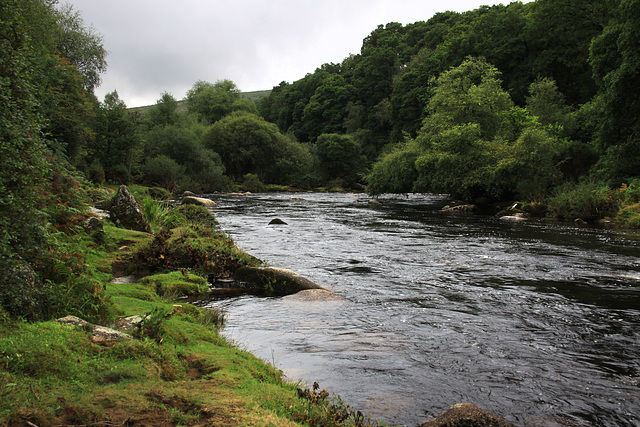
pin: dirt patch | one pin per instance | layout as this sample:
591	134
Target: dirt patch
122	417
118	268
198	367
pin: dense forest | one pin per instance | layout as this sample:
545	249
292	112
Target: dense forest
535	102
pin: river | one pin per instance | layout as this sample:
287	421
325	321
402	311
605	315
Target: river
535	321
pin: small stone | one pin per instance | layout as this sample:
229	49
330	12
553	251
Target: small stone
277	221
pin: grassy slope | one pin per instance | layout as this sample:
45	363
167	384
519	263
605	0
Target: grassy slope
183	374
182	104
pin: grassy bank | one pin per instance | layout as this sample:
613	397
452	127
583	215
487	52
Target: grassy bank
178	369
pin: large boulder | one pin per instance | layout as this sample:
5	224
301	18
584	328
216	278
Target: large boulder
272	281
126	213
193	200
467	415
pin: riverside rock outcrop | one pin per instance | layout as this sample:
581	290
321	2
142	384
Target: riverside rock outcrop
125	212
99	334
272	281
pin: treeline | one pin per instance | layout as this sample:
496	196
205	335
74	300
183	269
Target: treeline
535	101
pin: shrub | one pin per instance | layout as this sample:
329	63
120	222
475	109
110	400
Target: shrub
586	200
253	184
95	172
200	249
177	284
197	215
629	216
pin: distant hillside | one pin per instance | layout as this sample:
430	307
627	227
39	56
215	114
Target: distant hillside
182	105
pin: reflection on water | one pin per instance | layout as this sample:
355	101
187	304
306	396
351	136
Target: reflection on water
533	321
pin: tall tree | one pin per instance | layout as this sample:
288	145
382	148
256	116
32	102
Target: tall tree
116	138
165	111
559	34
615	57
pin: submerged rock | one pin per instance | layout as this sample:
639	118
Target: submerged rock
467	415
518	216
313	295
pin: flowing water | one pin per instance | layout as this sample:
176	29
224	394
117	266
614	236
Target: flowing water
534	321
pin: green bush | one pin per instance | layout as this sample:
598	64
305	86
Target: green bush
252	183
197	215
177	284
586	200
629	216
95	172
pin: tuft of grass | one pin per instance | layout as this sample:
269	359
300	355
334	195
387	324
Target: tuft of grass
177	284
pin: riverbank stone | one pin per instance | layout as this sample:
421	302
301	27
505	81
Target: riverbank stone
193	200
467	415
126	213
272	281
99	334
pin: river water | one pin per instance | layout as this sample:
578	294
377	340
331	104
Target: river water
535	321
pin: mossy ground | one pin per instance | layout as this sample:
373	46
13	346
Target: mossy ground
178	371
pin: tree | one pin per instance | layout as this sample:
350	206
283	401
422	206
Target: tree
163	171
559	34
395	172
67	107
615	57
547	103
247	143
469	93
212	102
116	138
326	110
339	157
474	144
189	164
165	111
81	46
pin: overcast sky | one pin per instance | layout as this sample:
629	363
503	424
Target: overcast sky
158	46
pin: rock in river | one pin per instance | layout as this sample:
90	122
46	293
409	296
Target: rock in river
273	281
192	200
467	415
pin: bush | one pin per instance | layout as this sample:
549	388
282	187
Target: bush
21	292
177	284
253	184
586	200
95	172
629	216
197	215
163	171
